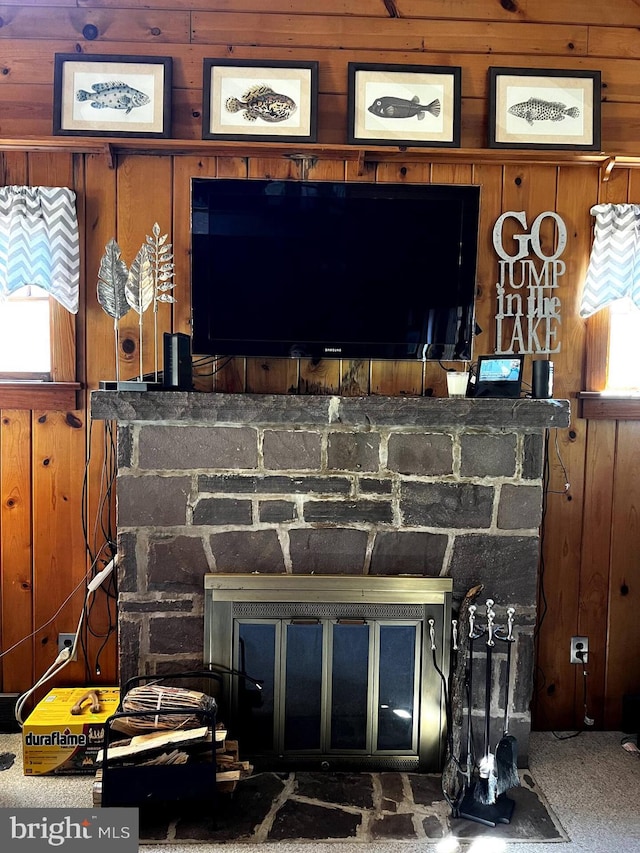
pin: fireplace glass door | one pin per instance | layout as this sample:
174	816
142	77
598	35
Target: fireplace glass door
328	687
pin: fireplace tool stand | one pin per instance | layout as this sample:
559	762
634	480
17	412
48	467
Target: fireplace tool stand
479	802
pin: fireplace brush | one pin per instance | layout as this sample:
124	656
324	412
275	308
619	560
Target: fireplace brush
456	775
485	789
507	748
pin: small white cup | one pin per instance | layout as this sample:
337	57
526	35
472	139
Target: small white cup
457	382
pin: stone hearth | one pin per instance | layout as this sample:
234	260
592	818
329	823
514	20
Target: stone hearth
364	807
327	485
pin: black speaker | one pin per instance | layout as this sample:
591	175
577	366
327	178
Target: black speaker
177	371
542	379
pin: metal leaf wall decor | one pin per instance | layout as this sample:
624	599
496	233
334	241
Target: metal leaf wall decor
148	280
139	289
112	280
163	268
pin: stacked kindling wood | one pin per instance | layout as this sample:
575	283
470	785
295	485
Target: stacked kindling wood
167	738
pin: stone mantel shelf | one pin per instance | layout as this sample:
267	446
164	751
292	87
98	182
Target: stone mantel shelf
222	408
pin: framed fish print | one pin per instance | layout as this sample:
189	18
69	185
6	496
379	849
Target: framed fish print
544	108
112	95
260	101
404	105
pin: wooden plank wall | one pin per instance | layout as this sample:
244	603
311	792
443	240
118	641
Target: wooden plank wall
591	536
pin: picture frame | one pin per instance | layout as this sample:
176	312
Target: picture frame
104	95
383	105
540	108
260	101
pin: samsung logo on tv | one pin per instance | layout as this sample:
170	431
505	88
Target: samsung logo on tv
333	349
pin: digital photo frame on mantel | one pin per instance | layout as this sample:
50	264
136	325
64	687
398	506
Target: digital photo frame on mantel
497	376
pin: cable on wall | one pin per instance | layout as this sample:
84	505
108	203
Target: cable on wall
100	579
102	538
68	653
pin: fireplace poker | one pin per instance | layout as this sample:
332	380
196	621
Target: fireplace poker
467	803
470	751
456	777
507	748
450	757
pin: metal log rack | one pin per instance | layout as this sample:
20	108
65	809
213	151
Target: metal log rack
193	784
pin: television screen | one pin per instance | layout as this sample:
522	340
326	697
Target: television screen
284	268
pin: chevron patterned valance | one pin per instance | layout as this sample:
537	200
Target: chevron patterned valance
614	265
39	242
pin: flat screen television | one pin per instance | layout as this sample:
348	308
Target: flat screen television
326	269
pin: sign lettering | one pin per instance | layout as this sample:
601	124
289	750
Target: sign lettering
528	316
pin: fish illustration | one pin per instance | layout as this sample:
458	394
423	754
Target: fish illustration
392	107
261	101
117	96
535	109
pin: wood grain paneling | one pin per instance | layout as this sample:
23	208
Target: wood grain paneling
595	559
620	13
329	7
624	12
58	545
623	667
184	170
356	33
51	22
144	198
16	592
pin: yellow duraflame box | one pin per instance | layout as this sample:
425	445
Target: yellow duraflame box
56	741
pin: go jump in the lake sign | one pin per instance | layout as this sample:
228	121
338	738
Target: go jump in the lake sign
528	316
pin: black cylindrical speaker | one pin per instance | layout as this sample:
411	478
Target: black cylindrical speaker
542	379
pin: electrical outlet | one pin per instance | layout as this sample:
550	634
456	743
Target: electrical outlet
579	644
65	641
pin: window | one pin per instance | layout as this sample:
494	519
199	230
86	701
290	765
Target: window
610	293
624	333
25	338
613	389
39	283
37	353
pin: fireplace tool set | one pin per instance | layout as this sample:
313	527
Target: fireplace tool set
482	797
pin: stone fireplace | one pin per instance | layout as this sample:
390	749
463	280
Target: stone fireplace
369	487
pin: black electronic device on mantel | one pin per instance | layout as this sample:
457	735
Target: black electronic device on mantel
177	372
497	376
326	269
